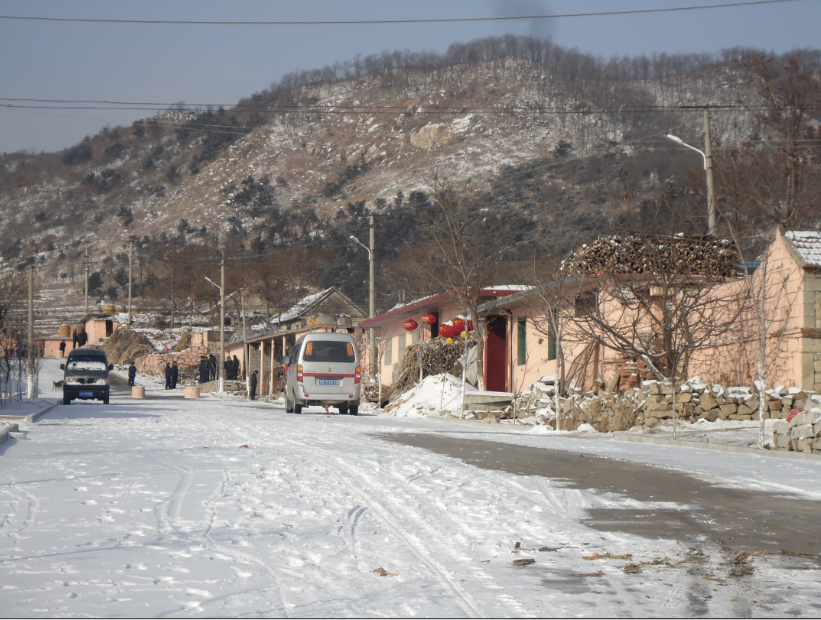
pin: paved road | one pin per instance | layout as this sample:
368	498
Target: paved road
119	387
733	519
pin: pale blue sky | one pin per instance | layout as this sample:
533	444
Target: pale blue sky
220	64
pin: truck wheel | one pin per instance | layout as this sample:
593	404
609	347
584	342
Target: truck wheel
66	399
105	399
297	408
354	409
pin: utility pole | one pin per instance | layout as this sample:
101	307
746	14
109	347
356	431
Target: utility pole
708	167
372	309
31	383
172	299
86	288
245	347
130	276
222	326
707	154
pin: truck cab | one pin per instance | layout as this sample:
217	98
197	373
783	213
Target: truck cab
85	376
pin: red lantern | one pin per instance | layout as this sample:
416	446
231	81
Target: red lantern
410	325
470	326
446	330
458	325
429	319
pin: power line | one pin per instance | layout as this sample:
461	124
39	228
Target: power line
349	22
377	109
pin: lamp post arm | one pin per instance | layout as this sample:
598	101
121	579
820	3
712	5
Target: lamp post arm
367	249
699	151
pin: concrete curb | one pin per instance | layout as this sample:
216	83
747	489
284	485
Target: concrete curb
4	434
32	417
659	441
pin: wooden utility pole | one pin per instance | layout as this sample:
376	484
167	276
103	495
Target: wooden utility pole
372	308
31	382
222	326
245	347
130	278
86	286
708	167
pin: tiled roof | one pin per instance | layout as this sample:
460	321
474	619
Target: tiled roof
807	244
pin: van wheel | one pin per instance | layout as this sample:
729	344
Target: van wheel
343	410
354	409
297	408
289	408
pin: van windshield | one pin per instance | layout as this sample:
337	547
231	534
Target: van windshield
86	364
328	351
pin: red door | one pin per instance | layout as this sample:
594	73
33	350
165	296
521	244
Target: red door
496	354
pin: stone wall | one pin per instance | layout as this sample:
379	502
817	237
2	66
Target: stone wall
799	432
188	361
653	402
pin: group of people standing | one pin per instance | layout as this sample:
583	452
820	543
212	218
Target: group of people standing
172	375
232	368
207	368
79	339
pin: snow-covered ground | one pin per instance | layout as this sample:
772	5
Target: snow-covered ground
224	508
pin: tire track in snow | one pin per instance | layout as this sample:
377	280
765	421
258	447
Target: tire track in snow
204	538
23	504
463	599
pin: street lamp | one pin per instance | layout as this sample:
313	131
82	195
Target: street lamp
371	309
708	167
221	381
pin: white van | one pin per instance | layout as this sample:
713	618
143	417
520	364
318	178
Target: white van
323	369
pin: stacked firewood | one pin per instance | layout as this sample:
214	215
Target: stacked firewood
437	357
685	255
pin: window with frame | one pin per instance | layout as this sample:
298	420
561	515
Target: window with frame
521	341
388	355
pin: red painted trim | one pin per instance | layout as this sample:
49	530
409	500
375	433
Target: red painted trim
325	374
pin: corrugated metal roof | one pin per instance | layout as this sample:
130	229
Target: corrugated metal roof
807	244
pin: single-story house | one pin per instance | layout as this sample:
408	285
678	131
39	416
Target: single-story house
445	307
329	310
521	348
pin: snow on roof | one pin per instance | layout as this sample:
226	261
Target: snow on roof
301	306
807	244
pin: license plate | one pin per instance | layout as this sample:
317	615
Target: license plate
86	394
330	381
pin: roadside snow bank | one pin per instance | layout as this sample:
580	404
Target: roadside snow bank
435	393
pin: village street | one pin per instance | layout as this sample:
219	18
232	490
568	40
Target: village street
227	508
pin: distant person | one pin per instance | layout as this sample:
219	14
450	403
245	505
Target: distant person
235	367
227	367
63	348
205	369
212	366
132	374
167	376
254	385
175	375
82	338
74	338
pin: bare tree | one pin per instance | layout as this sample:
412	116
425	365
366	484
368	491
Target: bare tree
466	248
660	308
